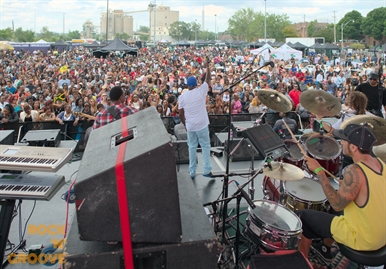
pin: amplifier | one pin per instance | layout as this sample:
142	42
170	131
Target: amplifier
7	137
40	138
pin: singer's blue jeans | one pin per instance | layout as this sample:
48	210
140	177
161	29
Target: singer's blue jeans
194	138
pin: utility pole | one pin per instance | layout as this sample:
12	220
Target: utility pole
64	14
304	25
107	23
155	19
265	21
334	28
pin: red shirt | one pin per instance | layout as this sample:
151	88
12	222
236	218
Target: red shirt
300	76
295	96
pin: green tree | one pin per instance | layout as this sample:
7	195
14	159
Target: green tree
24	36
73	34
289	31
242	24
352	21
326	32
180	30
142	30
195	30
6	34
275	25
374	23
312	27
122	36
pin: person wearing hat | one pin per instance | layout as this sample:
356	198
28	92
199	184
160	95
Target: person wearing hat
375	94
361	197
192	111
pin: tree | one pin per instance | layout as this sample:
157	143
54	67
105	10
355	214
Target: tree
352	22
24	36
289	31
312	27
6	34
374	23
73	34
326	32
180	30
142	30
276	24
123	36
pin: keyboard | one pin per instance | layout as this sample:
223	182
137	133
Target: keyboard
26	158
30	186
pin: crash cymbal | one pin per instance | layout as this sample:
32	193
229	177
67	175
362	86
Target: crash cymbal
375	123
284	171
275	100
320	103
380	151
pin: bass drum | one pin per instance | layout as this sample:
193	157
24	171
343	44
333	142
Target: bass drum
272	226
326	150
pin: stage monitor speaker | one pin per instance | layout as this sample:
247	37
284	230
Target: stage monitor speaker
151	182
244	152
7	137
181	151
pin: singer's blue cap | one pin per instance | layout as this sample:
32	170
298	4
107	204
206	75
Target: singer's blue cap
192	81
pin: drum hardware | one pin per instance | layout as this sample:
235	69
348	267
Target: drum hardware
376	124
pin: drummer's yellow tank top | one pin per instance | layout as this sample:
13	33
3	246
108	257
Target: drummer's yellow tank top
364	228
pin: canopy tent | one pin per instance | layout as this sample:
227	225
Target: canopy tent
264	51
41	41
116	45
60	45
93	45
183	43
298	46
328	46
285	52
5	45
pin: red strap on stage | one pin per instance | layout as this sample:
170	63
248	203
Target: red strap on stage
123	203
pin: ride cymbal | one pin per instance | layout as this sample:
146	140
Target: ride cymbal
376	124
275	100
283	171
380	152
320	103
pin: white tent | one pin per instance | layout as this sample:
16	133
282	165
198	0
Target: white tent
41	41
264	51
285	52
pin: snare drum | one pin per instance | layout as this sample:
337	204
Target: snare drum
296	157
304	194
326	150
272	226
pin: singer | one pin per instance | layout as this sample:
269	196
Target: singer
192	109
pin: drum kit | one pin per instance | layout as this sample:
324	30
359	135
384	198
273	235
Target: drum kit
288	185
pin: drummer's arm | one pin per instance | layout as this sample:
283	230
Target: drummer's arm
348	190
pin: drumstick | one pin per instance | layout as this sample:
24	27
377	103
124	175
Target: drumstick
304	152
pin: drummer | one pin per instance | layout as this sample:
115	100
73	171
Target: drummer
360	227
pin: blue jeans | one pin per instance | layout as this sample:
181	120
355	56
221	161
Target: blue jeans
194	138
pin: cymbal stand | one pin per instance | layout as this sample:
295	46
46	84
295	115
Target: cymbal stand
226	176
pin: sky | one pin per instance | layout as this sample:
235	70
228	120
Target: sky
71	14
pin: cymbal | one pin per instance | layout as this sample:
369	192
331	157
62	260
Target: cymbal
275	100
284	171
380	151
375	123
320	103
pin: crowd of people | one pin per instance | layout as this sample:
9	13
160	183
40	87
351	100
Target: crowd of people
157	77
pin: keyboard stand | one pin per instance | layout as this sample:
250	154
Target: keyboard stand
6	212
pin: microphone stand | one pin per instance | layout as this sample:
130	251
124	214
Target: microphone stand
226	175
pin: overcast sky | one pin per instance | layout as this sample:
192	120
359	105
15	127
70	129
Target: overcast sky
34	15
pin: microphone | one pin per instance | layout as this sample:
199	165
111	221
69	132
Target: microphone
272	64
245	195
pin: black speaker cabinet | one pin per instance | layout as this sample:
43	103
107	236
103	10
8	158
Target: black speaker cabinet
244	152
151	182
181	151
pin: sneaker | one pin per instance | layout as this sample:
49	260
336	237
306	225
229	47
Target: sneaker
322	251
192	176
208	175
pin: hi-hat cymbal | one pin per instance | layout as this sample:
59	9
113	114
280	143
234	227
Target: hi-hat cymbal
380	151
376	124
275	100
284	171
320	103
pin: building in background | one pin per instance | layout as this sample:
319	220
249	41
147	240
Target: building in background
119	22
163	18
